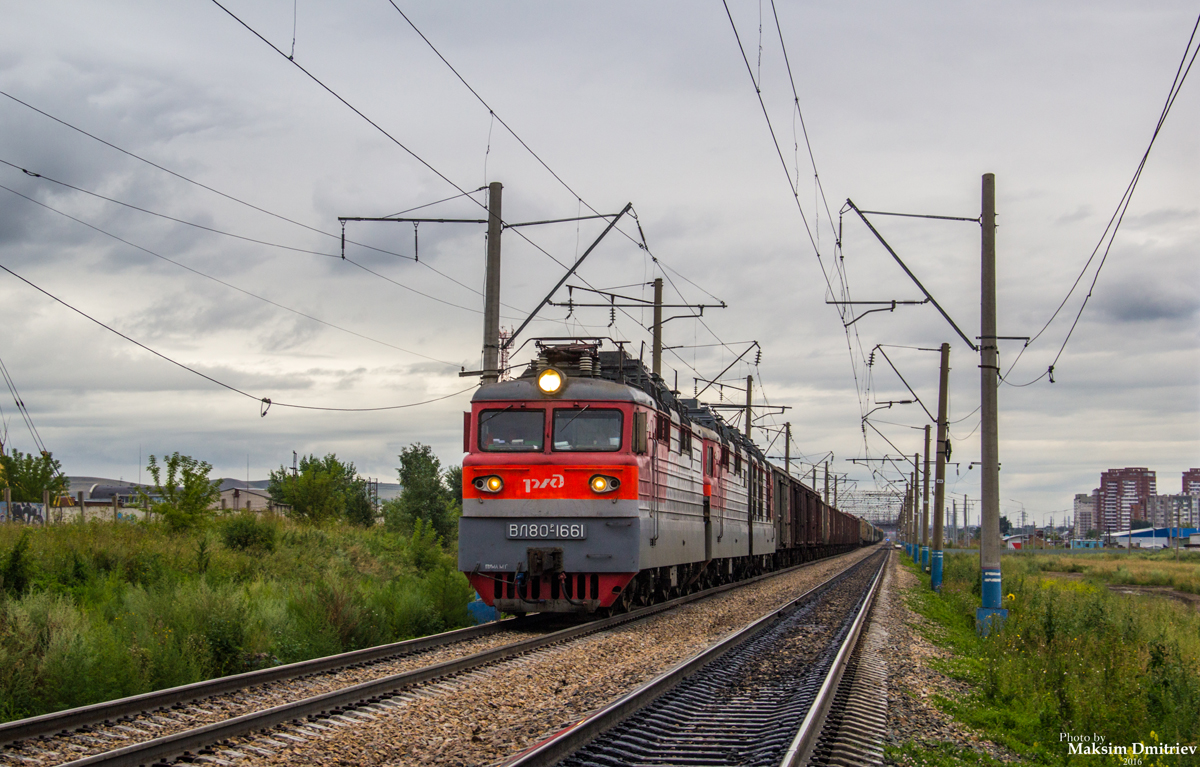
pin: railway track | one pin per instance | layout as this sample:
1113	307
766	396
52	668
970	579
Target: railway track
760	697
220	721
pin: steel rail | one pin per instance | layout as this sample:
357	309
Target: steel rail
196	739
552	750
810	729
50	724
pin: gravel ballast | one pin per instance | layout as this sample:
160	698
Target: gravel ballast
489	715
912	683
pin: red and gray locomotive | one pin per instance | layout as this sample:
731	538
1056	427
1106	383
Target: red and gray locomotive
589	485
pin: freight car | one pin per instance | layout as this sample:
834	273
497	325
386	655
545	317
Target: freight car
589	485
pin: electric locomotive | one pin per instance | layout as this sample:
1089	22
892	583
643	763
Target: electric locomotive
589	485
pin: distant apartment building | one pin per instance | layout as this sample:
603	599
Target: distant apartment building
1085	513
1191	482
1167	510
1125	496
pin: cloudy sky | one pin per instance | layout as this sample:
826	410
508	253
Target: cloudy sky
905	106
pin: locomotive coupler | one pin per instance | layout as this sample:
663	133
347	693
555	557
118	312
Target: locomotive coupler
543	561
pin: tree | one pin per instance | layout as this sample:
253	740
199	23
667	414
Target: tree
320	490
28	476
454	484
1005	525
425	495
359	508
1140	524
186	498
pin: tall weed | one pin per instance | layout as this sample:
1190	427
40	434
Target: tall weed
1072	657
93	611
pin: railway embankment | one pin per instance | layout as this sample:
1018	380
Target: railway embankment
1074	663
96	611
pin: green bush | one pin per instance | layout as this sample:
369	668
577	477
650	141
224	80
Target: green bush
246	531
96	611
15	572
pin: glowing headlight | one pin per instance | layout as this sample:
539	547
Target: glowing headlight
603	484
492	484
550	381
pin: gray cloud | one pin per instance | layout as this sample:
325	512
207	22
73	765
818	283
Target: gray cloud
660	112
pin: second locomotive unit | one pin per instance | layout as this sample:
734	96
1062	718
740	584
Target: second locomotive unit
589	485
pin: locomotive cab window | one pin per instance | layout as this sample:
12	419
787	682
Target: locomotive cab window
587	430
512	431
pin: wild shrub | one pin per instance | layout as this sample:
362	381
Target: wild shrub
449	591
424	549
17	568
115	610
246	531
186	494
1072	657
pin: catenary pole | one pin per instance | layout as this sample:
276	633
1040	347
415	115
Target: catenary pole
925	507
915	508
990	612
939	486
914	546
491	289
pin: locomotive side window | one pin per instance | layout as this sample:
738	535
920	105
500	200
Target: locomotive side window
709	463
663	428
512	431
587	430
685	442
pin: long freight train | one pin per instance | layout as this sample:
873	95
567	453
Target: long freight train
589	485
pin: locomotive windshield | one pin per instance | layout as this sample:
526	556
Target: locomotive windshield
587	430
511	431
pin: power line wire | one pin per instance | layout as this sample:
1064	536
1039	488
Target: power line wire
1114	222
252	206
514	134
147	211
24	411
266	402
226	284
402	146
192	181
230	234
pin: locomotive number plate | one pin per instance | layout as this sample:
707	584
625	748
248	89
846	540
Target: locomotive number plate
546	531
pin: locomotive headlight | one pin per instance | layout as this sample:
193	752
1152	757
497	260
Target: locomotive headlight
550	381
492	484
603	484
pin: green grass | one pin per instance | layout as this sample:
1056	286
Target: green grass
1138	568
1072	658
91	612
